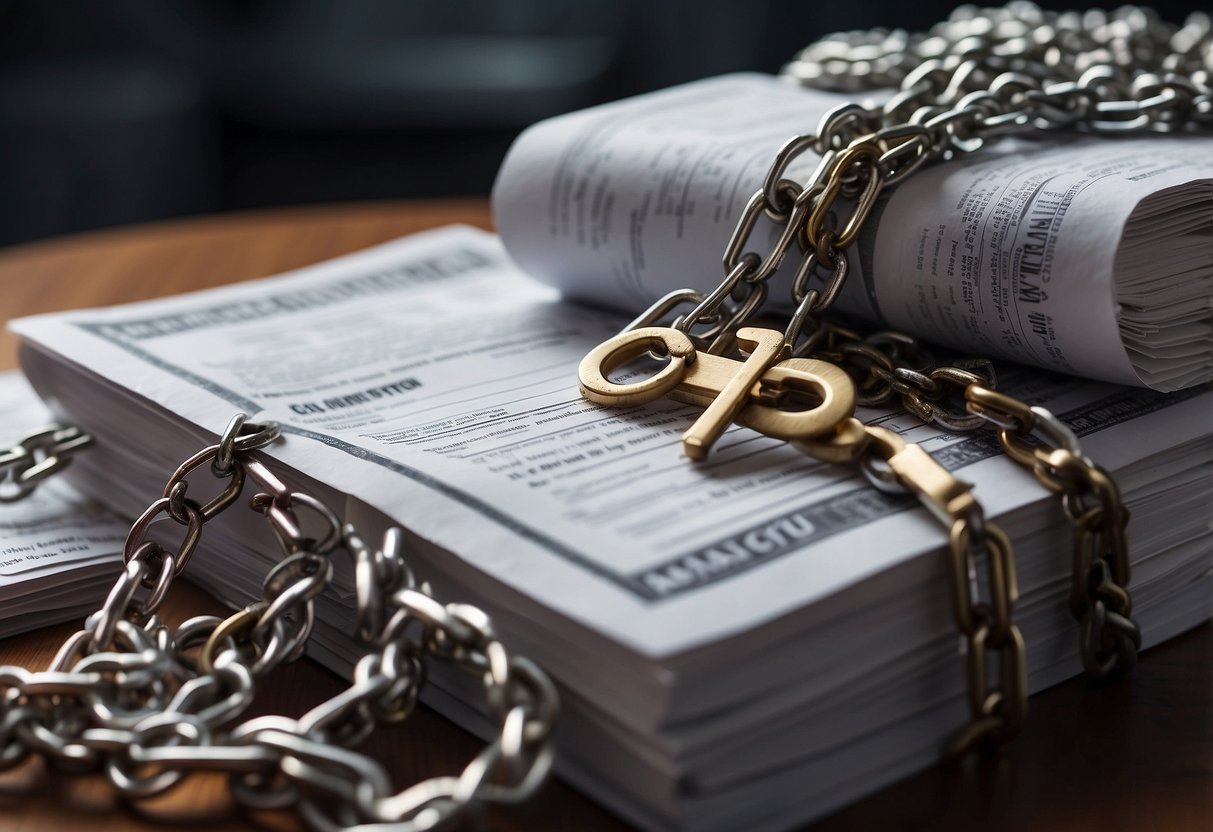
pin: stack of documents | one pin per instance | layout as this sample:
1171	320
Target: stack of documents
747	642
1086	255
59	551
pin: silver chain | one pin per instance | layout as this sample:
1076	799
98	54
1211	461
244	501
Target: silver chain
37	456
147	704
982	74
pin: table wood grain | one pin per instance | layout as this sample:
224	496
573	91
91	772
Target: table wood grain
1134	755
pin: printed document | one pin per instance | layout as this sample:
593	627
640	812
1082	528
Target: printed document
433	380
1010	252
59	552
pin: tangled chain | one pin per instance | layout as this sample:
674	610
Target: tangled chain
982	74
1021	37
147	704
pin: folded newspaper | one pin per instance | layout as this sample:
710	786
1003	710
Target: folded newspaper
1091	256
746	643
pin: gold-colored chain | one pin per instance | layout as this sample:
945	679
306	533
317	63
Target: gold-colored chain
982	74
960	397
996	708
139	701
757	394
1099	592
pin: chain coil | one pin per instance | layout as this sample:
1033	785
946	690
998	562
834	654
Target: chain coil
147	704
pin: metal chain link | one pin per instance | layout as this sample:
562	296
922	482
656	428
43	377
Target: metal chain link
982	74
997	709
1099	593
147	704
961	396
37	456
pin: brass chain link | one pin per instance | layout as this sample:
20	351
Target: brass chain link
1099	592
147	704
961	396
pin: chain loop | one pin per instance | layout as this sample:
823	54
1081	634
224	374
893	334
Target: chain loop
37	456
996	711
126	696
980	75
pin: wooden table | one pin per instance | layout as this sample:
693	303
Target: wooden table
1136	755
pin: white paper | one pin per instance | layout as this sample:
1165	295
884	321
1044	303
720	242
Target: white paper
430	379
1009	252
59	552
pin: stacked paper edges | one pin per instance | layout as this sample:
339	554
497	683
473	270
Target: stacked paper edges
749	642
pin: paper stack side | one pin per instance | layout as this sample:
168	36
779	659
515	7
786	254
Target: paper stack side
815	666
1089	256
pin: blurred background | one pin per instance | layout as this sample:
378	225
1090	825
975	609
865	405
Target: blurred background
120	111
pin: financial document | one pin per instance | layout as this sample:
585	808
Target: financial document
1026	251
433	380
59	552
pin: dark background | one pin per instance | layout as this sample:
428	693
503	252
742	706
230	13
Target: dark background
131	110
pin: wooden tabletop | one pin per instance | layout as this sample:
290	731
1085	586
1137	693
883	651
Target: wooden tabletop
1134	755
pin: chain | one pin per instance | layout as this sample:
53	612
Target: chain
982	74
147	704
997	710
961	396
37	456
1099	594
